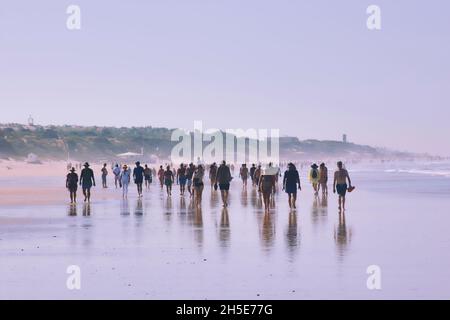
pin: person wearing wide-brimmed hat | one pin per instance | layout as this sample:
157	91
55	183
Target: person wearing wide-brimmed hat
314	177
125	178
87	181
72	185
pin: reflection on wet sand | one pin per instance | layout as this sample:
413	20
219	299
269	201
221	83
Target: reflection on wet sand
244	199
342	236
292	238
254	198
198	226
214	200
182	205
250	201
268	231
139	209
168	204
87	209
319	209
72	211
224	231
125	208
324	203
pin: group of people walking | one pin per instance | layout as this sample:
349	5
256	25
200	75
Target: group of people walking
191	178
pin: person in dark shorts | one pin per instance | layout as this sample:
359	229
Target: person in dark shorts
243	173
147	176
290	181
161	176
72	185
87	181
223	178
168	180
189	174
266	185
340	184
252	173
138	176
212	175
181	173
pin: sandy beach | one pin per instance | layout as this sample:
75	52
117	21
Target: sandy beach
161	248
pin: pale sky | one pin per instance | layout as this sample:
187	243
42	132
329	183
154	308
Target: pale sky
310	68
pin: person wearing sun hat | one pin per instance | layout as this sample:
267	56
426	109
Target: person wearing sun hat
87	181
314	177
72	185
125	179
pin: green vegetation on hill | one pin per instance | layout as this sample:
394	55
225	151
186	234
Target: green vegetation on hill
91	143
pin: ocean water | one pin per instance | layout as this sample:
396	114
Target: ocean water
397	219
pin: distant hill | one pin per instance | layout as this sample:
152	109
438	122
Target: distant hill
93	143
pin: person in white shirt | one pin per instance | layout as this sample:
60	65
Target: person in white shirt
125	179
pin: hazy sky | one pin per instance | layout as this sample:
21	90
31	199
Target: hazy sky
310	68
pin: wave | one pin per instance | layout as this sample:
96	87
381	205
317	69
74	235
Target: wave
429	172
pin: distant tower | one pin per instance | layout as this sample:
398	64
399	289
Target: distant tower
344	138
30	121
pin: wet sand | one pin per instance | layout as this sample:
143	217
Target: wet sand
160	248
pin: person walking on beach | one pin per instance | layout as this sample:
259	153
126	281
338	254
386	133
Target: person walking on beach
147	176
168	180
243	173
314	178
276	171
198	184
138	176
257	176
266	185
212	175
125	179
290	181
323	179
189	174
87	181
223	178
116	172
340	184
181	173
104	175
161	176
72	185
175	174
252	173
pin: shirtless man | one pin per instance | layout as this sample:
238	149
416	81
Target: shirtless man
340	184
323	179
161	176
